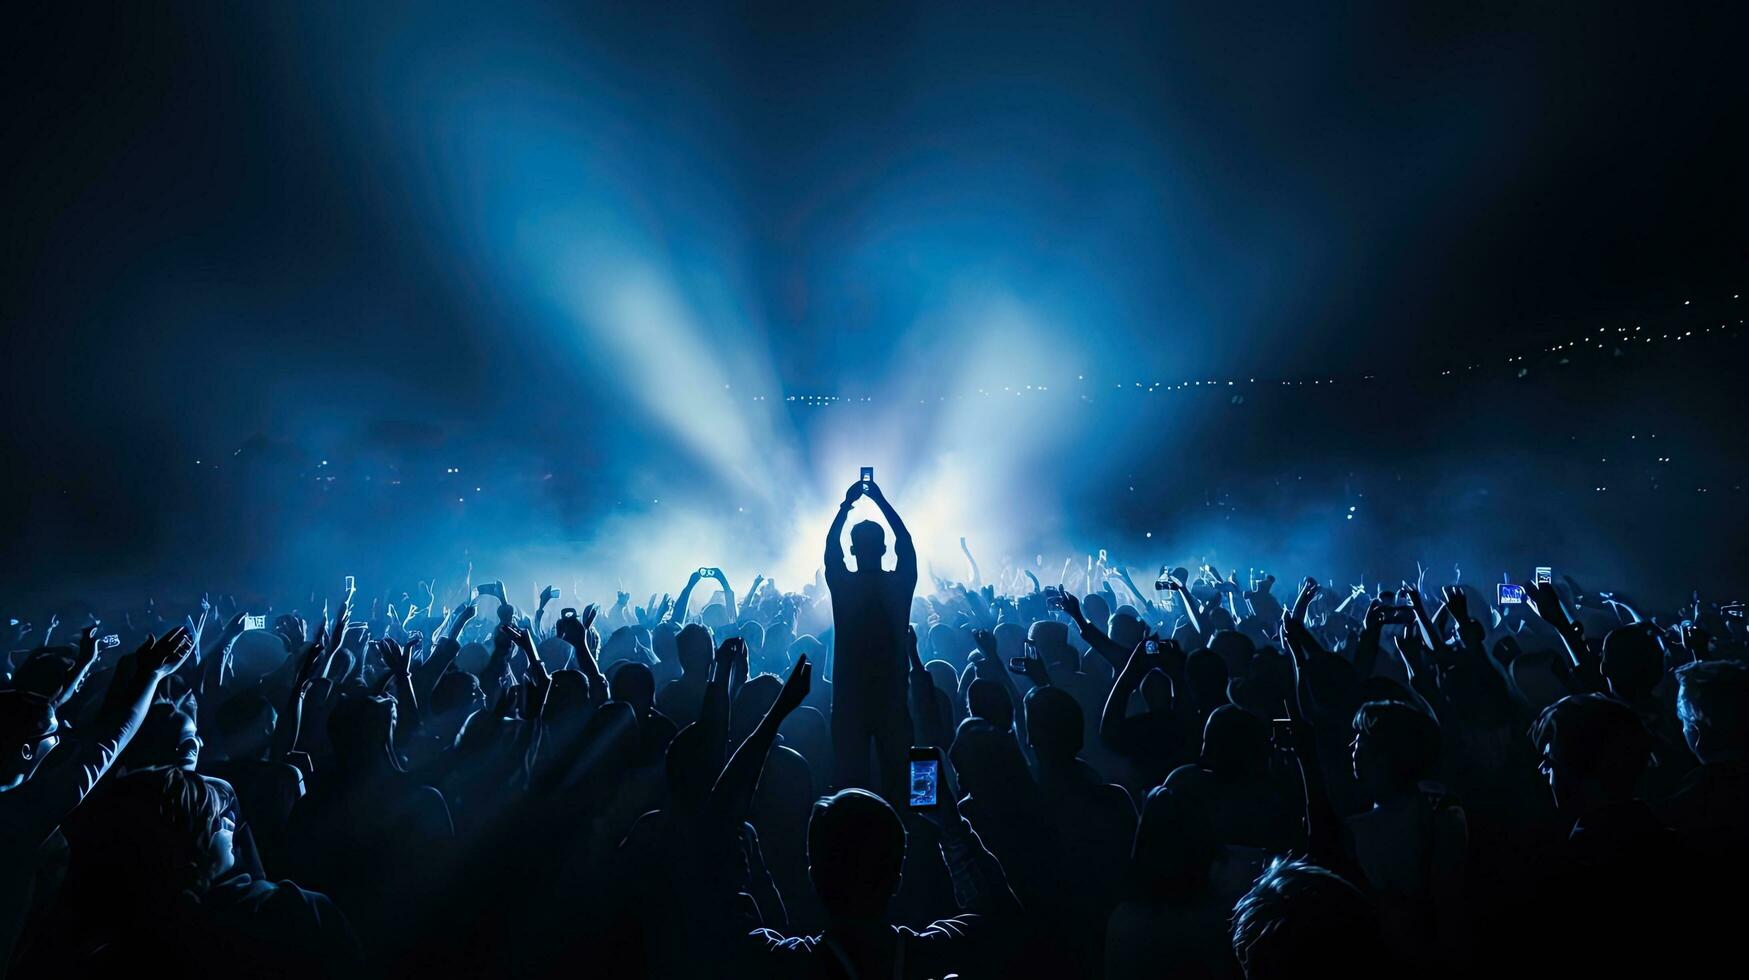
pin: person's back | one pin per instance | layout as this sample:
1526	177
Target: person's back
1086	825
1233	783
369	834
153	879
856	850
869	610
1711	806
1411	844
1621	876
1175	909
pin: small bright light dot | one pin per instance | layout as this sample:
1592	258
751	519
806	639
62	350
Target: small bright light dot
1149	534
1351	510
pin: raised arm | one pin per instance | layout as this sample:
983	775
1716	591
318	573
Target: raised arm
732	795
835	535
1096	638
575	631
903	549
685	599
920	690
63	787
1546	603
1117	701
1175	586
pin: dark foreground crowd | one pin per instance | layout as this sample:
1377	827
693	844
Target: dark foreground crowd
1211	778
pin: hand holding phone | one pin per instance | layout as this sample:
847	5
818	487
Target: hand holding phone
925	779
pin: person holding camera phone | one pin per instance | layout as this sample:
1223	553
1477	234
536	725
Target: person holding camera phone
870	610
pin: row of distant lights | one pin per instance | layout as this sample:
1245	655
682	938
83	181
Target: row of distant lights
1624	332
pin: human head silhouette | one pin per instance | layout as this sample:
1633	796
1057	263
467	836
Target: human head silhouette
242	726
1052	638
1235	743
1053	725
1711	698
161	831
166	737
1395	746
868	542
692	763
29	730
856	853
1594	749
362	732
1174	850
990	701
1205	673
1302	920
693	646
633	683
1633	662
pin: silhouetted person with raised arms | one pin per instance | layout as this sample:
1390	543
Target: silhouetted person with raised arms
869	609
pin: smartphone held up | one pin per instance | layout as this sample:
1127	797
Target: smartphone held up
925	778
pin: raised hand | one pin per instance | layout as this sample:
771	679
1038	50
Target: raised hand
575	629
1545	602
547	595
522	640
795	688
855	492
1308	591
986	642
308	662
88	645
728	652
462	616
397	659
1031	666
1458	601
293	630
165	655
233	626
1071	606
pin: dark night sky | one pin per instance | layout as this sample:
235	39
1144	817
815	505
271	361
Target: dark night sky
224	221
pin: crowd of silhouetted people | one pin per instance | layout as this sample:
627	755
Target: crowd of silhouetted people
1198	776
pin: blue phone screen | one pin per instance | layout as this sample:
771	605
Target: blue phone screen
925	781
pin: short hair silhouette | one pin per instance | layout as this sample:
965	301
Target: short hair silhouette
856	853
1400	739
868	540
1302	920
1711	698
